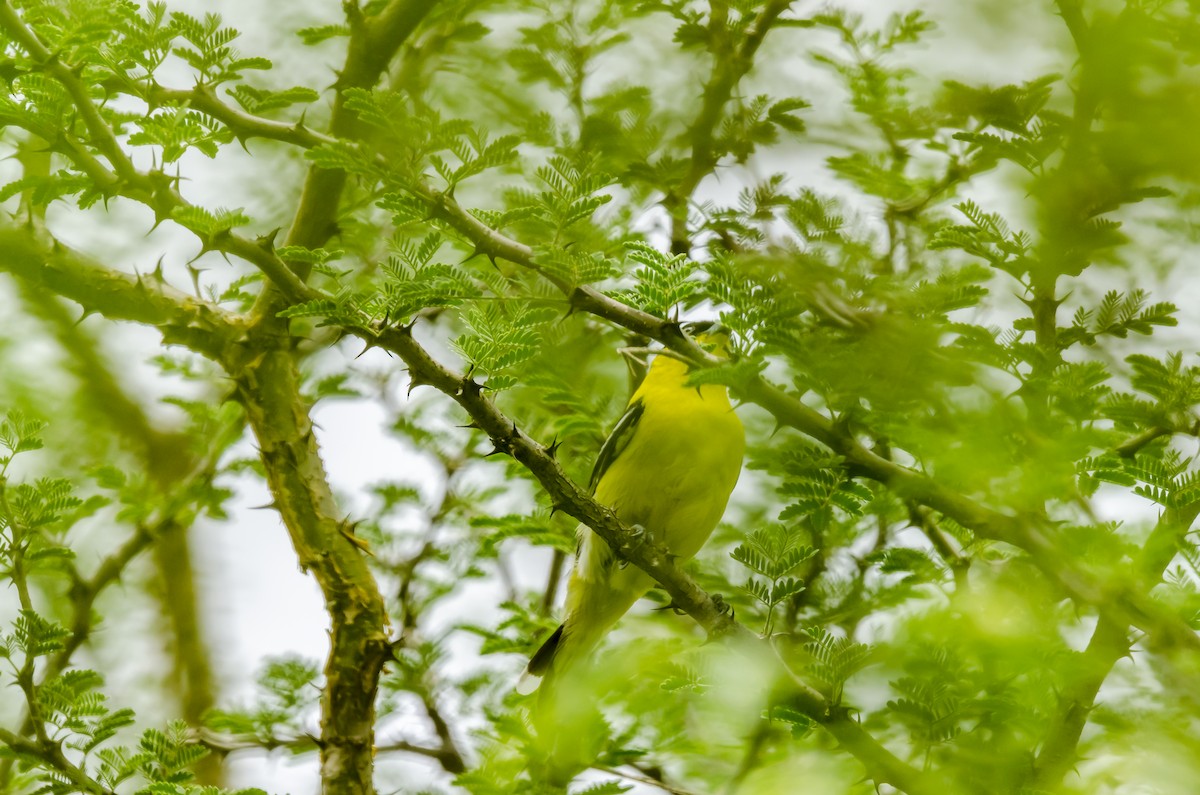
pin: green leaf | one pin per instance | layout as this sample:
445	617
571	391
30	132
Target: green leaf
208	224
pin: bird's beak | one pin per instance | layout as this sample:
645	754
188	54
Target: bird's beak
635	361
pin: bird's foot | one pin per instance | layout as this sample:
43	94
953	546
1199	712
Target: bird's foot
639	536
723	607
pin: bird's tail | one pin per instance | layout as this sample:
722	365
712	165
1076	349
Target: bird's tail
566	649
540	663
568	727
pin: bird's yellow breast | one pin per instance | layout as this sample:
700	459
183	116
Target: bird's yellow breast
675	477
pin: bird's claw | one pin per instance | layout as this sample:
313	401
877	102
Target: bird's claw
638	537
723	607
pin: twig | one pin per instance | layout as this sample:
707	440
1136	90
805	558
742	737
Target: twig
225	744
959	564
1132	446
52	754
641	778
373	43
1108	644
448	752
729	67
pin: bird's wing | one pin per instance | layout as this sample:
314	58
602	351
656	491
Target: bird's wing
616	442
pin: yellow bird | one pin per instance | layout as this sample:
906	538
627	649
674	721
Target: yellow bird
667	470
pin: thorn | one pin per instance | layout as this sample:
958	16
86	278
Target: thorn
84	316
269	506
138	278
496	450
555	508
195	272
367	345
472	425
415	381
347	528
157	273
267	241
674	608
552	450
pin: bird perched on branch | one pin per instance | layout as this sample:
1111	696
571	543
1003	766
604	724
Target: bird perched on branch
667	471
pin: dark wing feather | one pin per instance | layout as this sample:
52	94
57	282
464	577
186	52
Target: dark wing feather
616	442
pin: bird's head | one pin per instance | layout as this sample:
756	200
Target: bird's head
712	337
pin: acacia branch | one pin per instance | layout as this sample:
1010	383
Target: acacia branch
51	754
225	744
1108	644
102	134
268	384
374	41
730	65
156	190
375	37
146	299
643	778
243	125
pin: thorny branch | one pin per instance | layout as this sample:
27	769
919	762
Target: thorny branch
51	753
